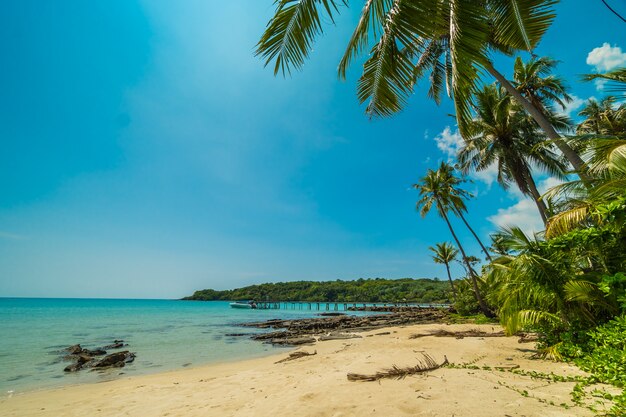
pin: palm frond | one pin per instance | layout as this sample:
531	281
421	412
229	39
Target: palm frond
289	36
426	364
372	19
521	24
567	220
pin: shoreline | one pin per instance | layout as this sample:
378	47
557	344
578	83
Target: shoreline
318	384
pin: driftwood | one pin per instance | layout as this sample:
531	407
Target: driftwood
528	338
296	355
338	336
424	365
459	334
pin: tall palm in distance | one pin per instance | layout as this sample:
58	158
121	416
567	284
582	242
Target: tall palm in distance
457	199
605	117
434	191
501	135
472	31
445	253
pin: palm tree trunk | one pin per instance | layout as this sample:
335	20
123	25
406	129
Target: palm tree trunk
458	213
450	279
543	122
541	206
481	302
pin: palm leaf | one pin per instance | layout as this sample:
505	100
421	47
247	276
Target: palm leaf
290	34
372	19
521	24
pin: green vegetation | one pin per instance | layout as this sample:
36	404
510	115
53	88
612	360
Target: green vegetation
361	290
567	283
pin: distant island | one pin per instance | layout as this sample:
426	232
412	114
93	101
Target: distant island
411	290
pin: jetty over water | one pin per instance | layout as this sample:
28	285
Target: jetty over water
342	306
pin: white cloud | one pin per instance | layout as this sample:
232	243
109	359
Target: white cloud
522	214
600	83
547	183
606	57
572	106
449	142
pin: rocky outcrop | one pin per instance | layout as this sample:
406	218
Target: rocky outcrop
115	360
88	358
288	331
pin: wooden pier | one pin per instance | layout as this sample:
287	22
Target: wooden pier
328	306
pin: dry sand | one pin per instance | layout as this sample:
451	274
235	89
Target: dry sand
317	385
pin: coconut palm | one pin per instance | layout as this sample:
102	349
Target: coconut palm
434	190
607	165
535	81
471	30
458	207
605	117
616	78
445	253
501	135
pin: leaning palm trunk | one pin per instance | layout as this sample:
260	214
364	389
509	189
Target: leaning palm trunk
479	298
450	279
458	213
544	123
541	205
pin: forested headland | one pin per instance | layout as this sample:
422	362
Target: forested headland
362	290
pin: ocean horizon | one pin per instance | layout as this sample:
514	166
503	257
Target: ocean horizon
165	334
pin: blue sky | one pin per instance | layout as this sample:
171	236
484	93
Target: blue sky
148	153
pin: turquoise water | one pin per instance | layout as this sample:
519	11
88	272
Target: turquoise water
165	334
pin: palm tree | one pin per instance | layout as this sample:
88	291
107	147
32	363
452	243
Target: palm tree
617	79
435	191
533	79
607	165
604	117
470	30
500	134
445	253
457	198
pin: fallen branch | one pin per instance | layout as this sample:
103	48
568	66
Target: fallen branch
459	334
296	355
427	364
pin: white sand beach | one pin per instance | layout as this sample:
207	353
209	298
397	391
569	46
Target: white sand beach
317	385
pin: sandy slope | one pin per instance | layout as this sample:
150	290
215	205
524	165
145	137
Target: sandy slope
317	385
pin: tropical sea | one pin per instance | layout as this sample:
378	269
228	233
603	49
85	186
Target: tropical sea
165	335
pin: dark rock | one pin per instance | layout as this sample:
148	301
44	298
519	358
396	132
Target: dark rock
73	367
331	314
74	349
115	345
95	352
117	359
83	358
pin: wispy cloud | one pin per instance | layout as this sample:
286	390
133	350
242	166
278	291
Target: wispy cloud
11	236
572	106
523	213
450	143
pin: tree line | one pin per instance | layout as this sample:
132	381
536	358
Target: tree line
362	290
